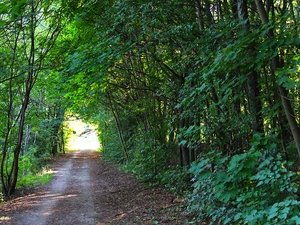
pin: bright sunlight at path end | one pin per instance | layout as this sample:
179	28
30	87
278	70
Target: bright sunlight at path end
83	136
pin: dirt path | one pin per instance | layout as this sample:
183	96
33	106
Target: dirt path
87	190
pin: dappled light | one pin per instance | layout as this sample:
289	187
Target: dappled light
86	190
199	97
4	218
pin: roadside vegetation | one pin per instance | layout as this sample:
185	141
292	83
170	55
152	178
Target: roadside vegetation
199	96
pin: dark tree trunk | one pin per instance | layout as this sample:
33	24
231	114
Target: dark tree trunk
276	64
118	125
13	176
255	105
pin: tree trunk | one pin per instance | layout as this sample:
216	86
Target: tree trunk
118	124
286	103
58	117
13	176
252	80
183	148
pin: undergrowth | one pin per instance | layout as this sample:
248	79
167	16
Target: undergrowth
32	172
30	179
254	186
247	188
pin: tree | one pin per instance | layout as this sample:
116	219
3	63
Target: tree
211	91
29	32
278	63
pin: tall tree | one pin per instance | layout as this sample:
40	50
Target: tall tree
278	63
28	34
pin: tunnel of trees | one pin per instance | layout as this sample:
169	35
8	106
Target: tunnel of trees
202	96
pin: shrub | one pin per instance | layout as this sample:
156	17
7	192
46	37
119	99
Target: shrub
248	188
175	178
32	170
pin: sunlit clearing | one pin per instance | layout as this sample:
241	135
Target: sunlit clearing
84	136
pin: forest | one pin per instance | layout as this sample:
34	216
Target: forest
200	96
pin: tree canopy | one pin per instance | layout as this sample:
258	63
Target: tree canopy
200	96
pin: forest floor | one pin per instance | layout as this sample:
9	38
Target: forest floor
88	190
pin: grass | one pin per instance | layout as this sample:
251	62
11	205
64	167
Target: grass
42	177
27	178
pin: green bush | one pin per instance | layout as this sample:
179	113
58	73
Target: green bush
32	171
147	162
175	179
30	179
248	188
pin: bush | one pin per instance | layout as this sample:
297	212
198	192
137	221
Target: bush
42	177
248	188
32	170
175	179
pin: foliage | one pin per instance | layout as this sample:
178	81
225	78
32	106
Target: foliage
247	188
215	93
31	173
32	169
178	88
147	160
175	180
28	33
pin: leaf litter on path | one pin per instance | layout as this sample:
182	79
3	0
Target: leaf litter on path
88	190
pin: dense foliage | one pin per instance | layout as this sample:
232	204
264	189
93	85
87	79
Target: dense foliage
30	116
201	96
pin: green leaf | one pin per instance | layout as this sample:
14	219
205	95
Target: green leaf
296	219
227	220
4	8
273	212
237	216
235	161
222	177
2	23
